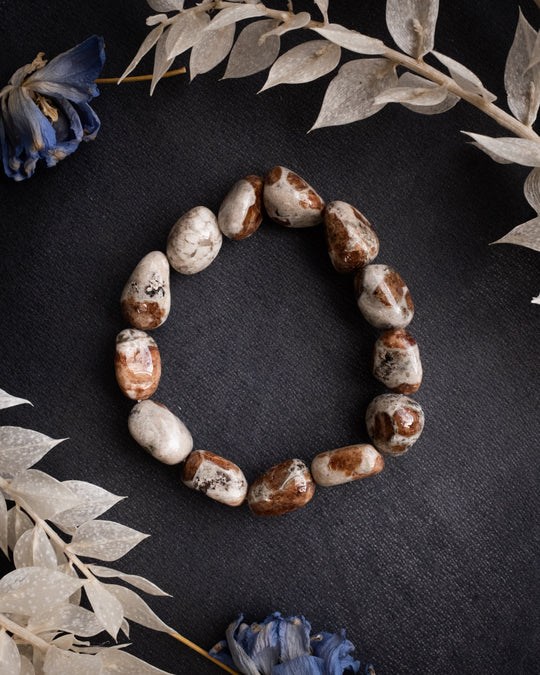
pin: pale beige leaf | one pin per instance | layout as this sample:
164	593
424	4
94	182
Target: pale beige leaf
518	150
43	493
61	662
465	77
7	400
107	608
412	80
162	62
351	94
3	526
18	524
294	22
34	549
535	56
211	49
121	663
531	189
417	95
26	666
536	301
304	63
94	501
139	582
136	609
494	156
248	56
230	15
527	234
104	540
412	24
33	589
148	42
351	39
185	31
10	660
21	448
323	6
166	5
522	82
66	617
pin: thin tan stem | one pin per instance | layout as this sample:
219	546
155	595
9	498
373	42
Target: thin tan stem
202	652
137	78
23	633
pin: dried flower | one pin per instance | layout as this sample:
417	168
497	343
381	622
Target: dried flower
283	646
44	110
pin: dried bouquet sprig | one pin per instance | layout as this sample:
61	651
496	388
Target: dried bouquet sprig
49	527
364	86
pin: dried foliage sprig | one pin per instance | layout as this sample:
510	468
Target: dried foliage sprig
50	525
364	86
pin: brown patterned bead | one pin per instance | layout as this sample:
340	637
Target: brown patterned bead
282	488
344	465
396	361
394	423
216	477
289	200
383	297
137	364
352	242
146	298
240	213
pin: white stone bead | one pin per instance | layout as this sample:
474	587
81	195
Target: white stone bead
146	298
289	200
216	477
394	423
194	241
396	361
240	213
383	297
344	465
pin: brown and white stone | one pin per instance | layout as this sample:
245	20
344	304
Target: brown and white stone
160	432
146	298
344	465
240	213
289	200
215	477
383	297
282	488
194	241
352	242
394	423
396	361
137	364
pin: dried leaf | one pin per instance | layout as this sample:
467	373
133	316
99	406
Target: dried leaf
33	549
121	663
535	56
494	156
521	80
185	31
351	94
527	234
293	22
67	568
34	589
61	662
412	24
7	400
139	582
323	6
43	493
3	526
519	150
166	5
67	617
94	501
107	608
26	666
21	448
304	63
211	49
351	39
531	189
230	15
248	56
149	41
162	62
418	95
18	523
136	609
412	80
465	77
104	540
536	301
10	660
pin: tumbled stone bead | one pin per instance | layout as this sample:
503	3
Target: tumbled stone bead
282	488
396	361
146	298
394	423
160	432
215	477
194	241
137	364
289	200
240	213
383	297
344	465
352	242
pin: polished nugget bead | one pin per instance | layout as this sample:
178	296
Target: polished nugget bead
159	432
344	465
289	200
215	477
146	298
240	213
383	297
352	242
394	423
396	361
194	241
281	489
137	364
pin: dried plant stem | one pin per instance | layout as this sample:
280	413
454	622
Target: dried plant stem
23	633
202	652
138	78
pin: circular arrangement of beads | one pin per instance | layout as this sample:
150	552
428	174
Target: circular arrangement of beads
394	421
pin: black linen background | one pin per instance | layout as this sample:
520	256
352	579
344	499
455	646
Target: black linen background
432	565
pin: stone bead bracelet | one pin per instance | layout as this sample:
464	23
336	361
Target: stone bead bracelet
394	421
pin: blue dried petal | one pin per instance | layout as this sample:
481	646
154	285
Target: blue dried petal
336	652
302	665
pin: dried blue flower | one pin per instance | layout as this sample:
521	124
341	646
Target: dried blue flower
283	646
44	111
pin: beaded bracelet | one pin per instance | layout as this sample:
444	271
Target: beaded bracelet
394	421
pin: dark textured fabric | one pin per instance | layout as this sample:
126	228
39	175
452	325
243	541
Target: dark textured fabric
431	566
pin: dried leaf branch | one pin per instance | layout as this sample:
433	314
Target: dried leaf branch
364	86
